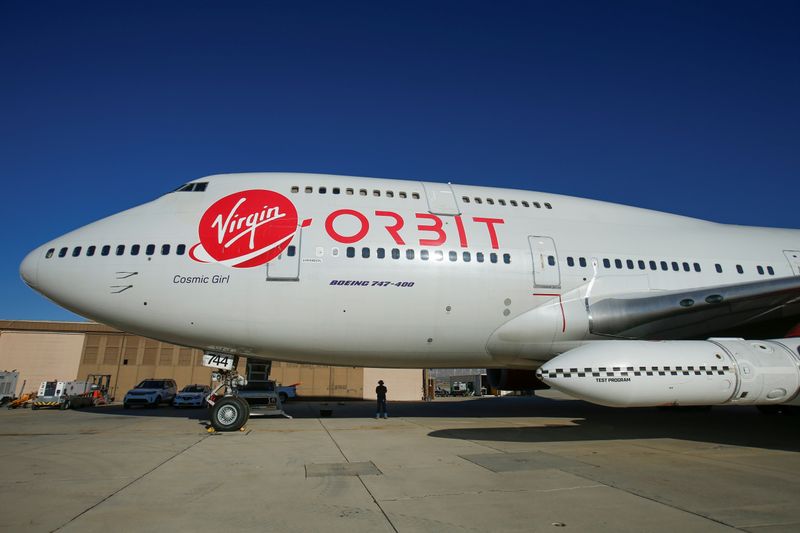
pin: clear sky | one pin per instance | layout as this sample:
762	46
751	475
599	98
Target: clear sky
690	107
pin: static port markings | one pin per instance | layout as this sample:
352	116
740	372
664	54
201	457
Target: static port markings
370	283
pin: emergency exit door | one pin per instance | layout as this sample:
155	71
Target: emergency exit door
794	260
546	274
286	267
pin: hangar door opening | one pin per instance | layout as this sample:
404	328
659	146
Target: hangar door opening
546	274
286	267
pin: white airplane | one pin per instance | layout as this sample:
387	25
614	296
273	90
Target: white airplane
539	288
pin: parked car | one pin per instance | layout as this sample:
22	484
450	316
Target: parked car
287	391
192	396
151	392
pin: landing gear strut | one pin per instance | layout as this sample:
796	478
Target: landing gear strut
229	412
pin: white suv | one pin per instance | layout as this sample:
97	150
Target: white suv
151	392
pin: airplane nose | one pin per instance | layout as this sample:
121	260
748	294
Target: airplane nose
29	269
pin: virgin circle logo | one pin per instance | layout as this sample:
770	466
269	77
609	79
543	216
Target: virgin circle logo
245	229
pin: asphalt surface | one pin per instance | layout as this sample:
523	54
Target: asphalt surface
494	464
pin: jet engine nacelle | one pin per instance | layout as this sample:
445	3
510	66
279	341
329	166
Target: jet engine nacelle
514	379
648	373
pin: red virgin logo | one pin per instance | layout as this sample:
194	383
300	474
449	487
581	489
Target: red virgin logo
245	229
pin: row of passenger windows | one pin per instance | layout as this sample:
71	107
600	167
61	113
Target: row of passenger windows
675	266
500	201
425	255
349	191
119	249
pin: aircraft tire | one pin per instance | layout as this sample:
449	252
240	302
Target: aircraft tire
229	414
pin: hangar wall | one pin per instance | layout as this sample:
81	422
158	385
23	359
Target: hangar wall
71	350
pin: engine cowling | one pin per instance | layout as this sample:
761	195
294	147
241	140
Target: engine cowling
514	379
647	373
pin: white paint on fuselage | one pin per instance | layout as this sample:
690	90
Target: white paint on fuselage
445	320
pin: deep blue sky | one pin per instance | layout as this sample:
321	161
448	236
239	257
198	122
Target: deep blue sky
690	107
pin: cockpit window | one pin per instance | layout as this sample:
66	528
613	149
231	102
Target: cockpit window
192	187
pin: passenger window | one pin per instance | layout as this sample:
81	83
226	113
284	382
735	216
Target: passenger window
62	252
479	257
309	190
490	201
641	265
362	192
618	263
525	203
739	269
336	190
718	267
105	250
135	249
291	251
402	194
467	257
390	194
295	188
547	205
181	249
376	192
49	253
349	191
465	199
478	201
501	202
760	269
551	260
507	259
675	266
453	256
696	267
653	265
513	203
76	251
415	195
686	267
351	252
395	253
381	252
770	271
664	265
150	250
365	253
120	249
570	261
335	251
90	250
323	190
582	261
423	254
606	263
409	254
438	255
537	205
629	264
165	249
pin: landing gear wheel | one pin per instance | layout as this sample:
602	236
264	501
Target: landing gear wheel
228	414
246	407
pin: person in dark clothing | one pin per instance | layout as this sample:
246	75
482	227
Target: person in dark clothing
380	391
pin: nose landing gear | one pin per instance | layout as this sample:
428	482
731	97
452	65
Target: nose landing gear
229	412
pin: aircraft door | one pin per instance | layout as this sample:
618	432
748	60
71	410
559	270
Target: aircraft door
286	267
546	273
441	199
794	260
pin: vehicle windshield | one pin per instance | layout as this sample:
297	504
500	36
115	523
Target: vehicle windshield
150	384
193	388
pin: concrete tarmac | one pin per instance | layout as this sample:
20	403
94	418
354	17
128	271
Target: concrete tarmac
493	464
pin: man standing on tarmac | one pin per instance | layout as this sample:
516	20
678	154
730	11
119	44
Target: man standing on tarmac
380	390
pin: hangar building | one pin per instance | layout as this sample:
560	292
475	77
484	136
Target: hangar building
42	351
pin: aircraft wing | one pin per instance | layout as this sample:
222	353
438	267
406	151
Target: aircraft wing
760	309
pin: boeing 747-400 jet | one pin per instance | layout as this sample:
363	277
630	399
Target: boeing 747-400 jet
613	304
